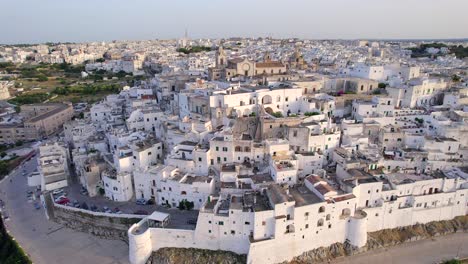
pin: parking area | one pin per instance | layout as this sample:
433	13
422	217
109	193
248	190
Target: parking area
178	218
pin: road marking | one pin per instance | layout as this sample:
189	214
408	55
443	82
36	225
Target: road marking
55	230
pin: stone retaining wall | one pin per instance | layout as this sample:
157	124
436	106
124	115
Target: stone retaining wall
103	225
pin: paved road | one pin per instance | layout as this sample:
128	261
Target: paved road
428	251
47	242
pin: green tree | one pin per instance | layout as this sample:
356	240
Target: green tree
456	78
42	78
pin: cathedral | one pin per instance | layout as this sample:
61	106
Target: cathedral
226	69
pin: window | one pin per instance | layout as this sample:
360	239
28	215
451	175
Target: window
306	226
233	232
295	133
209	231
247	223
321	209
327	217
217	148
320	222
220	223
199	159
263	223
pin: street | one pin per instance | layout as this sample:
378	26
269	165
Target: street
429	251
45	241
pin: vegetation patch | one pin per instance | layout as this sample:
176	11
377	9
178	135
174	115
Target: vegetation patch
194	49
422	50
10	251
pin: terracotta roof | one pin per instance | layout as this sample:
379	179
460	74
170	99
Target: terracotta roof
324	188
344	197
313	179
271	64
236	60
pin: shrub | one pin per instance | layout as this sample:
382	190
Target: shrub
311	113
277	114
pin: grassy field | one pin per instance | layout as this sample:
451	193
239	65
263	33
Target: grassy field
63	82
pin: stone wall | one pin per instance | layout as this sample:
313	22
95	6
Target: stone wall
103	225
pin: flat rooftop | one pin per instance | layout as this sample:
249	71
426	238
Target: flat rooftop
405	178
303	196
278	194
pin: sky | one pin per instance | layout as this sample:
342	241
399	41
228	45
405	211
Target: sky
38	21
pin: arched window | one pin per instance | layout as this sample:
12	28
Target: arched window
238	149
327	217
320	222
247	149
183	193
346	212
322	209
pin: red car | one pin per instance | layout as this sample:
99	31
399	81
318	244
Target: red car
63	201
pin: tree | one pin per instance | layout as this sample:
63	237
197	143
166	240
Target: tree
382	85
3	154
42	78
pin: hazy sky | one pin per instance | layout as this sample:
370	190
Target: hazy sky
32	21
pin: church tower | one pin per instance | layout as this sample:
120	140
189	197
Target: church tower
267	57
220	56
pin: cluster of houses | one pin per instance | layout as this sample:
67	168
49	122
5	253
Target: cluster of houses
277	157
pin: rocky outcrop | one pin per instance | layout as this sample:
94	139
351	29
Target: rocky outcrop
385	238
192	255
392	237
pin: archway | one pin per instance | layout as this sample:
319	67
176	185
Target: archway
267	99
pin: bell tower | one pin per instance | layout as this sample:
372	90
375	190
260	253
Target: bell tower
267	57
220	57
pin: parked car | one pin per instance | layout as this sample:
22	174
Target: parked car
59	198
83	191
57	192
76	204
141	212
63	201
106	209
141	201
